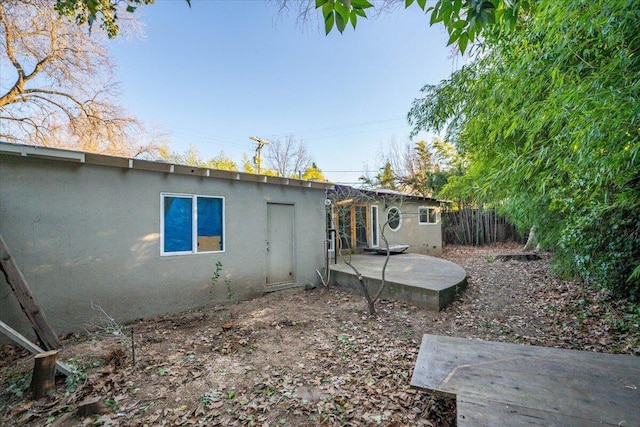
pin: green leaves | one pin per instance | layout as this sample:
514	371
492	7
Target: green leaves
341	12
88	11
466	20
463	20
548	114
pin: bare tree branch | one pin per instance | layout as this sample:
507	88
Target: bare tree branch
58	89
347	196
287	157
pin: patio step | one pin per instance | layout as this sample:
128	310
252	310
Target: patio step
421	280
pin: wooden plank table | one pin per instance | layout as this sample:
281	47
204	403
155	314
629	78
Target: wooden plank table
520	385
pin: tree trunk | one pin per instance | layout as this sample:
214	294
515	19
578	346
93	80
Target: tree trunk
531	241
371	305
43	379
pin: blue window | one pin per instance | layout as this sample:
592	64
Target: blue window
192	224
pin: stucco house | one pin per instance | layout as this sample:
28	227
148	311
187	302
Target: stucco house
142	238
358	217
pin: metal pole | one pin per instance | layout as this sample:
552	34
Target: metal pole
261	143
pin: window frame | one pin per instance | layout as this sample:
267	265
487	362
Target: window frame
399	218
194	224
429	208
375	238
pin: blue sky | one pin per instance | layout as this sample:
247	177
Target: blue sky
221	71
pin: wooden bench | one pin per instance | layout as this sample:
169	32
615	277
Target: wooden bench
500	384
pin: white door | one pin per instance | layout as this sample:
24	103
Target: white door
280	244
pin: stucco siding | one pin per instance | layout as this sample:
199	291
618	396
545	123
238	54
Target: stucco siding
85	233
423	239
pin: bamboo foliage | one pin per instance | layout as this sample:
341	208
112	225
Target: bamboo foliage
477	227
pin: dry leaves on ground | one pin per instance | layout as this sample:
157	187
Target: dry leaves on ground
307	357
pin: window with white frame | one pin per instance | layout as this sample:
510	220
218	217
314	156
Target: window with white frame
191	224
393	219
428	215
374	226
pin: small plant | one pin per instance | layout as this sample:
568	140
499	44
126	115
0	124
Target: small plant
105	326
112	403
216	275
209	397
629	323
78	377
19	383
230	293
227	281
346	346
490	258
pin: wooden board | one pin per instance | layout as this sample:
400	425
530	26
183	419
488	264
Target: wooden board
518	257
603	388
393	250
30	307
475	412
209	243
19	339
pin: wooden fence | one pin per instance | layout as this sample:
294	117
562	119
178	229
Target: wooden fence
477	227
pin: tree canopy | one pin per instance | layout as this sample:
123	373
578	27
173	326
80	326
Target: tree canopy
59	87
419	168
464	20
88	11
313	173
288	157
549	120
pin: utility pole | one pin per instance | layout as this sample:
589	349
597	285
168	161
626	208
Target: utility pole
257	160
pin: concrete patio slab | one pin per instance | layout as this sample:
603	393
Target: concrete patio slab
422	280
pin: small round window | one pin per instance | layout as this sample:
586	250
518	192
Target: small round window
393	219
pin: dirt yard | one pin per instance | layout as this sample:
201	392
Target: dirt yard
305	357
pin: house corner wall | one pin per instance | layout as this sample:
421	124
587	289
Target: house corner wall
86	234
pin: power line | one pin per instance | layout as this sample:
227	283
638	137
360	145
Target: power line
356	133
209	138
366	171
198	134
331	128
205	137
257	160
